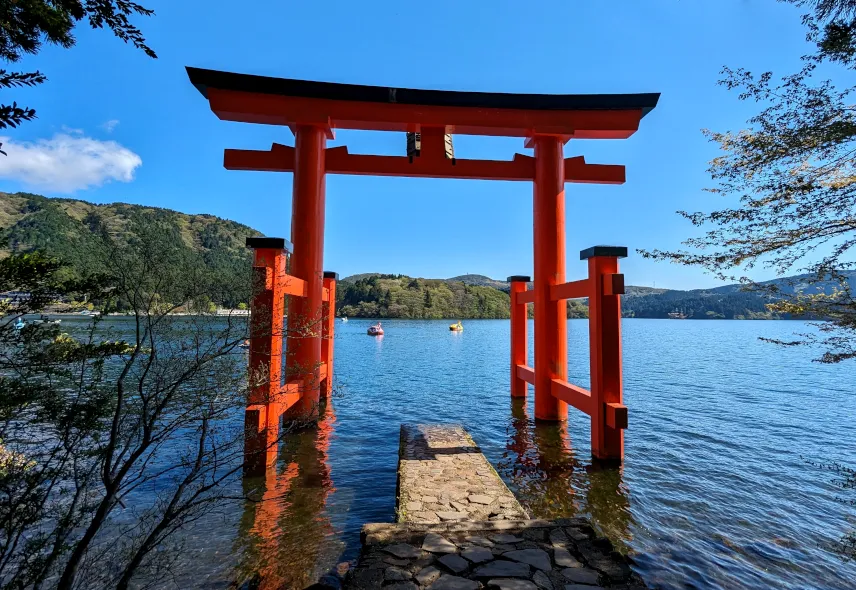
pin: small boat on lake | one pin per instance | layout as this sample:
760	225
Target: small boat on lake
244	344
456	327
344	319
375	330
19	325
43	319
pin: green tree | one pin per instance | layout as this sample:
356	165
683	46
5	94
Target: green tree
793	174
88	419
25	25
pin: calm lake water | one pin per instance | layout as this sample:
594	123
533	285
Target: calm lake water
717	490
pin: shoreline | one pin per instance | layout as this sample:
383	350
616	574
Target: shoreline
386	319
245	313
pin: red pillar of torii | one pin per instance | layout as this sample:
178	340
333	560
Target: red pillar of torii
313	110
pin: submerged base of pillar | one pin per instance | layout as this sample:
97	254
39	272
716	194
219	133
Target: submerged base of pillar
551	420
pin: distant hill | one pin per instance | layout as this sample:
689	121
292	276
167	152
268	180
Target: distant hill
66	229
481	281
788	285
642	291
357	277
401	296
726	302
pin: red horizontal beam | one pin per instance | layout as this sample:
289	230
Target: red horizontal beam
339	161
613	284
288	395
293	387
576	170
293	286
571	394
269	109
280	158
290	285
526	373
616	415
525	296
572	290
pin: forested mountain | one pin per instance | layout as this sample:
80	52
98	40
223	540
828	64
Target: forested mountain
481	281
477	296
399	296
698	305
726	302
71	230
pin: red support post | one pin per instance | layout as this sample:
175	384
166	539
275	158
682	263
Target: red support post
307	231
329	331
551	324
608	415
518	334
265	363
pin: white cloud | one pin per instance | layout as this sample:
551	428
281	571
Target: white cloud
67	163
110	125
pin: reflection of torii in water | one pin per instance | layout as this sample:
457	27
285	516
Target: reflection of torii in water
546	476
287	528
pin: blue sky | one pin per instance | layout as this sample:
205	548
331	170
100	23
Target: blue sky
139	122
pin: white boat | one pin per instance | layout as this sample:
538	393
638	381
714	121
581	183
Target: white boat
344	319
43	319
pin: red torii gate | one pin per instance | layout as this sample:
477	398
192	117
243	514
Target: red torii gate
312	110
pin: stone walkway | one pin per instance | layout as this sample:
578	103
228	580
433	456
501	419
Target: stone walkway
507	555
460	528
443	477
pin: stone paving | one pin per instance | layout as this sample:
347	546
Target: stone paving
443	477
563	554
460	528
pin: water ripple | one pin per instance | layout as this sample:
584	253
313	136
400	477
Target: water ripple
716	492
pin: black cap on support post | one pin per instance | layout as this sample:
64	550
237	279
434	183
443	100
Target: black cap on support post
275	243
329	274
615	251
518	279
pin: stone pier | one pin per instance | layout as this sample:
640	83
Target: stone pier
443	476
460	528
